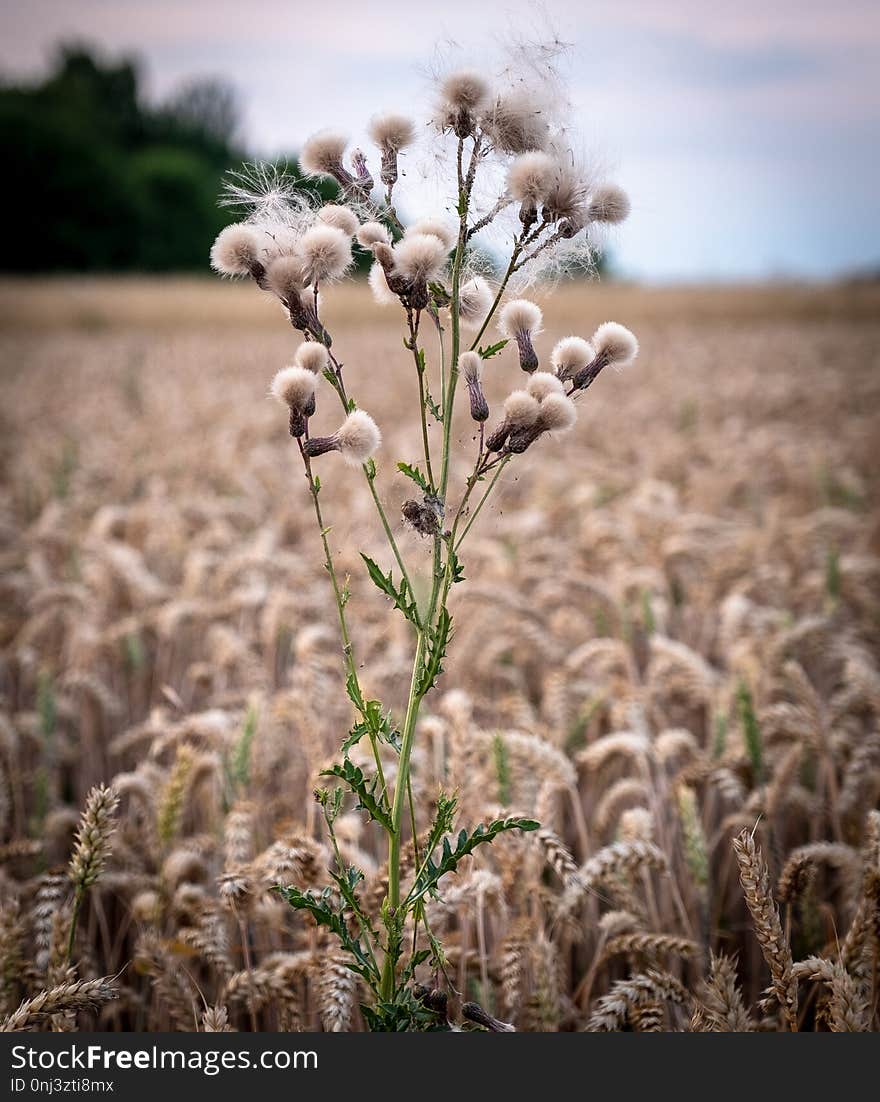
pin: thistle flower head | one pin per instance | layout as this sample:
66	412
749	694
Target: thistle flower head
325	253
543	384
358	438
372	232
294	387
284	277
474	302
566	196
515	123
530	177
521	409
609	203
313	357
558	413
343	218
615	344
519	316
420	256
470	366
236	250
392	132
571	355
438	228
464	90
382	293
322	154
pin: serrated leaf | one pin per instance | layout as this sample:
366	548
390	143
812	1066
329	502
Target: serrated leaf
321	908
437	644
432	871
412	471
492	350
376	806
401	595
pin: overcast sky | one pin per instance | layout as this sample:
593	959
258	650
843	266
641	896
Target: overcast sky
746	133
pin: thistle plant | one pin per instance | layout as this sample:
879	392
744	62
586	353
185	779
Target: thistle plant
512	172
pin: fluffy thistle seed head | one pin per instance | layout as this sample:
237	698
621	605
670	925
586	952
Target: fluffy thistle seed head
470	365
358	438
236	250
392	132
609	204
530	177
515	124
521	409
558	413
284	277
464	90
571	355
325	253
616	345
566	197
438	228
294	387
542	385
312	356
371	233
474	301
382	293
322	154
343	218
420	256
519	316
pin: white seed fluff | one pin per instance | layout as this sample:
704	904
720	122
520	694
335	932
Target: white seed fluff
516	123
616	343
470	365
294	386
325	253
609	204
474	302
379	286
420	256
312	356
542	384
438	228
284	277
372	232
392	131
235	250
570	355
519	316
530	177
558	413
343	218
464	90
521	409
358	438
323	153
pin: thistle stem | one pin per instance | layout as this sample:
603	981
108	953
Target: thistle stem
347	647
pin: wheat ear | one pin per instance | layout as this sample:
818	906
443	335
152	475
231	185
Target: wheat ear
755	880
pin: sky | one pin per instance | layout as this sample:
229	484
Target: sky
746	134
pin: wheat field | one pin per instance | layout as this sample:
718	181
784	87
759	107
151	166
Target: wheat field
669	638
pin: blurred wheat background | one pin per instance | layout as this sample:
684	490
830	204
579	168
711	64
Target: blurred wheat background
670	634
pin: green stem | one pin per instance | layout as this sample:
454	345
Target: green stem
420	371
371	482
482	501
77	904
347	647
400	789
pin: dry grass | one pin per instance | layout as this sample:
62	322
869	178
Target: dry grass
670	635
